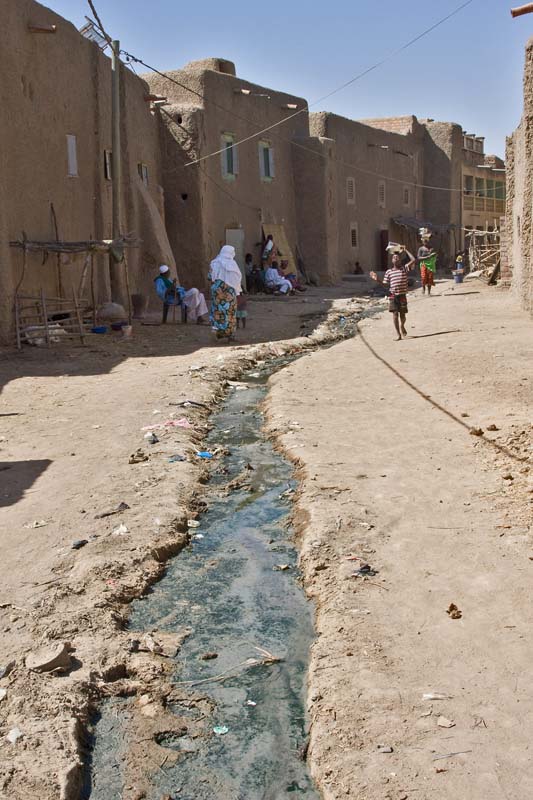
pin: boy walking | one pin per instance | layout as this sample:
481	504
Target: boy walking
396	281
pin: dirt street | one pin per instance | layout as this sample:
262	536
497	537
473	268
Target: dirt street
391	476
71	419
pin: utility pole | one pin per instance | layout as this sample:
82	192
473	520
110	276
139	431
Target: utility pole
116	276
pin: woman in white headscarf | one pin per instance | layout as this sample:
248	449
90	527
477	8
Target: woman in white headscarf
225	277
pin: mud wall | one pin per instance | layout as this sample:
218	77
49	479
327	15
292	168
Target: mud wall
54	86
366	158
519	158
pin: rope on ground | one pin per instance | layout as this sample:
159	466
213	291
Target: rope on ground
471	429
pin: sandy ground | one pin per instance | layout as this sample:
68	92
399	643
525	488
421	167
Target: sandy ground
70	420
391	474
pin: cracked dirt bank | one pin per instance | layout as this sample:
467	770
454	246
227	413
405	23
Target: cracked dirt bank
71	420
392	477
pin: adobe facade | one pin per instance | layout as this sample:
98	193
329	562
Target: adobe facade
519	159
56	100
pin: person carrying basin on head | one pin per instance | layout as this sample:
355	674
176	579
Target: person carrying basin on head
397	281
225	277
172	294
427	260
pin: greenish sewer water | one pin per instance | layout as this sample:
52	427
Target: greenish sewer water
225	588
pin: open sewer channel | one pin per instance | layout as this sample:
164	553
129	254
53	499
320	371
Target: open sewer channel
236	589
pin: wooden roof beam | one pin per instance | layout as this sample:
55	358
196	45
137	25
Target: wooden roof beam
521	10
42	28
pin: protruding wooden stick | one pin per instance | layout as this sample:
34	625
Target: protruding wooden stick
521	10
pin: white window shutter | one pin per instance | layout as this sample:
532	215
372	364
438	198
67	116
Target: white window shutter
271	162
72	155
235	150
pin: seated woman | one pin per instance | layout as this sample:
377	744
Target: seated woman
292	277
174	295
275	281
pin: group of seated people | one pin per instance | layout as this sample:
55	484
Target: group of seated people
271	276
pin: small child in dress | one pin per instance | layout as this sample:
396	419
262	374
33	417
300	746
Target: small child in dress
241	310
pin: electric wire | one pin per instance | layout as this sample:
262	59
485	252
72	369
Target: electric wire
353	80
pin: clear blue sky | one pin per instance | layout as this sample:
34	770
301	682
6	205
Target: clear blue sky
467	71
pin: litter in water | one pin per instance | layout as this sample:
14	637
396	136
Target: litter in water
174	459
220	730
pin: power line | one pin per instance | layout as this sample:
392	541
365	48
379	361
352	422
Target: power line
358	77
405	182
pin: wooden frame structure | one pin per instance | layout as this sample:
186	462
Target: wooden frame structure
38	317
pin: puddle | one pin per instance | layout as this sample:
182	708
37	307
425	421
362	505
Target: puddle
236	589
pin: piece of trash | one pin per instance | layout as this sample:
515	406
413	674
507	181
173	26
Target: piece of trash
118	510
50	658
438	770
193	523
174	459
151	438
14	735
365	570
382	748
436	696
195	368
450	755
251	703
208	656
95	427
476	431
138	457
121	530
204	454
492	427
454	612
156	411
3	694
39	523
281	567
427	713
220	730
443	722
7	669
78	544
183	423
198	536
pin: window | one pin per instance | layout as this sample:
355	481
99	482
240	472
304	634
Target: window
500	190
480	187
229	157
381	194
406	196
266	161
72	156
142	169
350	191
108	165
468	184
354	235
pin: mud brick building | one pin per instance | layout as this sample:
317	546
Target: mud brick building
55	143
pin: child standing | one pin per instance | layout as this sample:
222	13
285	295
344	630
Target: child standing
242	313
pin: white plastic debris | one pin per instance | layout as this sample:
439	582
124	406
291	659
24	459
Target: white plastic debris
3	694
436	696
14	735
193	523
121	530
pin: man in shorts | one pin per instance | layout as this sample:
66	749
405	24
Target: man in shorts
396	280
